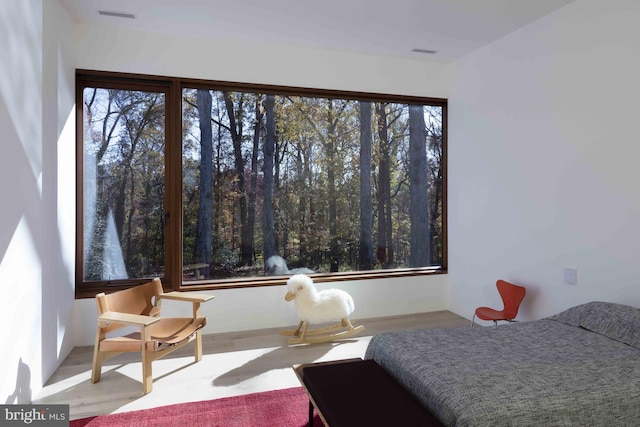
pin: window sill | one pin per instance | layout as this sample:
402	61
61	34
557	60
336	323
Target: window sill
255	282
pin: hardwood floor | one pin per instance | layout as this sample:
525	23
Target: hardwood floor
232	364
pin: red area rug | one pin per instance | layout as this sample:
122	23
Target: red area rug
278	408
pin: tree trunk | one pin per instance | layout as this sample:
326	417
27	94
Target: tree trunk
269	151
205	206
302	203
236	127
330	152
418	206
435	205
217	187
313	242
365	261
384	245
253	186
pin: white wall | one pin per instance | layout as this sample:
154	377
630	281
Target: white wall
36	287
100	48
543	162
257	308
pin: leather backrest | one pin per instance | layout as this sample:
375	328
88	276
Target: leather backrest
136	300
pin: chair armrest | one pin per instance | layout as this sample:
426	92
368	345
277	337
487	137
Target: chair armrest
185	296
127	319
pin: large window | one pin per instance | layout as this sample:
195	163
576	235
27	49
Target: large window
124	183
216	184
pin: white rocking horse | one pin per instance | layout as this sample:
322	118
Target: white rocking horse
319	307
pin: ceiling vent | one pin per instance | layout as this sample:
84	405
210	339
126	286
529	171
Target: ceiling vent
117	14
431	52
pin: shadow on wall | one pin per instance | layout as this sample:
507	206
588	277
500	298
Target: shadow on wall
22	393
20	190
30	111
531	300
15	169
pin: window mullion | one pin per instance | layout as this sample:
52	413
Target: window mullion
173	180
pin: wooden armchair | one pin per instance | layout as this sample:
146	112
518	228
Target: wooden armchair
140	306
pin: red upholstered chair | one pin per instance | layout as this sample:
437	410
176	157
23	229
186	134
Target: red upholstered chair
512	295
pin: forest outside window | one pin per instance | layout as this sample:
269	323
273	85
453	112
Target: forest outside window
215	185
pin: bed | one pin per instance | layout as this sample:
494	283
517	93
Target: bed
578	368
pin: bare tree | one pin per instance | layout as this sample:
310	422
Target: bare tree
365	260
253	185
384	244
236	126
418	209
269	152
205	206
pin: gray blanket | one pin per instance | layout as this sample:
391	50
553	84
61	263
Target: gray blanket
579	368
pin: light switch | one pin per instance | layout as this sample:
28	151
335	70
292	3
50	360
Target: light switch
571	276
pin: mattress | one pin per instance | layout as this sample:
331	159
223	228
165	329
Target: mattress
578	368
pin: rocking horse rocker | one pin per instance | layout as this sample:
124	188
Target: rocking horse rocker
319	307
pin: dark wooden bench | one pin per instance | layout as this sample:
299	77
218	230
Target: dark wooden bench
356	392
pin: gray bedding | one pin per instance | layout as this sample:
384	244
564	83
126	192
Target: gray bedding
579	368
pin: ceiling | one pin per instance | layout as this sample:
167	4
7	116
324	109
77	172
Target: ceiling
452	28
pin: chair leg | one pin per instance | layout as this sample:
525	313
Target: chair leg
147	374
473	320
96	369
98	358
198	346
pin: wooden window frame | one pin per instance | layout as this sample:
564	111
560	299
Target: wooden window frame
172	87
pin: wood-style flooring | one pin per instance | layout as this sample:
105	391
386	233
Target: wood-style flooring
232	364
